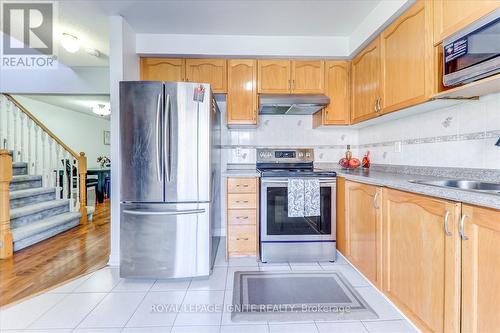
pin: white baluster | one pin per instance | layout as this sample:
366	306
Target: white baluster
31	135
10	139
3	120
43	156
15	130
58	171
37	160
71	191
65	173
24	148
52	160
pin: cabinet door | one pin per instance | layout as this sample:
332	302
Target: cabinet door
242	92
481	270
453	15
308	77
366	83
363	221
407	59
337	87
274	76
341	208
162	69
421	263
211	71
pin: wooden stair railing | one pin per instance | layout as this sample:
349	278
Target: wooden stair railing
46	154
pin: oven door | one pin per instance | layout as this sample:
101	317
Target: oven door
278	227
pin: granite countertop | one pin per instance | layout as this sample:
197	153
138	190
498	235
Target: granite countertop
399	179
240	170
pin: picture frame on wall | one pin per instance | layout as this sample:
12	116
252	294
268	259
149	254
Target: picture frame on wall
107	138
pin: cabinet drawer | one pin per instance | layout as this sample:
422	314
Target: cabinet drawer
242	239
242	216
241	201
242	185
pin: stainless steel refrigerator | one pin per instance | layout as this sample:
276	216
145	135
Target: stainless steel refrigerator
170	178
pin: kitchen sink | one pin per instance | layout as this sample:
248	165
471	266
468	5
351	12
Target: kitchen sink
461	184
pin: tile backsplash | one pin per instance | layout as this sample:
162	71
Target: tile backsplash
462	135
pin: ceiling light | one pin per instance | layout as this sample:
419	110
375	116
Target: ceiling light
93	52
101	110
70	42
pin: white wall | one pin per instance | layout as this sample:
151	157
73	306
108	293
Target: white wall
63	80
81	132
458	136
124	65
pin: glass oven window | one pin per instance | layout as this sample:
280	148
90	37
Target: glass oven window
278	222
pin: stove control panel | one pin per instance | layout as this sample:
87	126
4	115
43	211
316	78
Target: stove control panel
285	155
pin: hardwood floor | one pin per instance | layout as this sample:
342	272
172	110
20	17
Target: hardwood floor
64	257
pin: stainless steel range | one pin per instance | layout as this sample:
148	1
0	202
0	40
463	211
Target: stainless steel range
284	238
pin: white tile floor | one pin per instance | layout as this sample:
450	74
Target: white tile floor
103	302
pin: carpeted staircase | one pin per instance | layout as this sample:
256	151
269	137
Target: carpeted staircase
35	213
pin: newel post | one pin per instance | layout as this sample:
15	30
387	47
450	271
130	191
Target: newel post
82	173
5	178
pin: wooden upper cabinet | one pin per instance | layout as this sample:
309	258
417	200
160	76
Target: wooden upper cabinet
163	69
308	76
366	83
338	88
363	229
452	15
480	270
213	71
242	92
274	76
421	262
407	59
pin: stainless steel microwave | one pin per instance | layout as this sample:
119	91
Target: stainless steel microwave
474	52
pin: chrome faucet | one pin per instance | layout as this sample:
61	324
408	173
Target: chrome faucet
498	143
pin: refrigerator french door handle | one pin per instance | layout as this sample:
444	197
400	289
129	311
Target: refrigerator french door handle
158	140
166	212
168	141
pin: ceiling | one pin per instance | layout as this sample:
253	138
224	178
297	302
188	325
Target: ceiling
243	17
78	103
88	20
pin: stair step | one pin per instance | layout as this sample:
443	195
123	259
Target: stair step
30	196
24	182
42	229
27	214
19	168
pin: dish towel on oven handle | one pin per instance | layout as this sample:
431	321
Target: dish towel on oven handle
312	197
303	197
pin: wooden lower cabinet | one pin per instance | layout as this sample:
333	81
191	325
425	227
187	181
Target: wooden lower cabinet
242	217
480	270
421	262
363	221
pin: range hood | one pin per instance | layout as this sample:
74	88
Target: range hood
292	104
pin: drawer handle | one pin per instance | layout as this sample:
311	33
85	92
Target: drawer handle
239	185
461	230
242	238
446	218
242	217
241	201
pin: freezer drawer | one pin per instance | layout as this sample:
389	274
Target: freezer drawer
165	240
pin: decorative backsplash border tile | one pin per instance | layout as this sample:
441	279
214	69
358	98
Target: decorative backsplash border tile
415	141
435	139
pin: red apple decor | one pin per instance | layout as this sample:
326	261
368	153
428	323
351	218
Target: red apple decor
353	163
